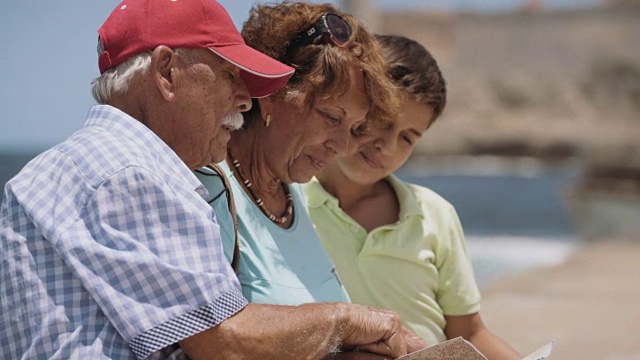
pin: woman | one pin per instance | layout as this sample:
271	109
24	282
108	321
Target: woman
288	137
397	245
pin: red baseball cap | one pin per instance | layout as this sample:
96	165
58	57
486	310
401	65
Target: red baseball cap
136	26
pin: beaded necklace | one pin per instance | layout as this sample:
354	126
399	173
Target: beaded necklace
287	212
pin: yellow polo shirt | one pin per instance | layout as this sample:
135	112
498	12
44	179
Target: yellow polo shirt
418	267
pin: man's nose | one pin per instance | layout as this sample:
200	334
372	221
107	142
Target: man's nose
242	101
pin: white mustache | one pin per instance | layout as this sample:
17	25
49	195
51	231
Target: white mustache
233	121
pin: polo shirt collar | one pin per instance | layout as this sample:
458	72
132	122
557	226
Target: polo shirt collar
317	195
409	206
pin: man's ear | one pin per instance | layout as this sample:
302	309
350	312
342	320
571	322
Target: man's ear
164	71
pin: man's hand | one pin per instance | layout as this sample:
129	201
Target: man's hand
414	342
374	330
310	331
356	356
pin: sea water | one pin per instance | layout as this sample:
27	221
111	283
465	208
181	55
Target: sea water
512	211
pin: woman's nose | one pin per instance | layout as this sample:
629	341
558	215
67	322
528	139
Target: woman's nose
339	142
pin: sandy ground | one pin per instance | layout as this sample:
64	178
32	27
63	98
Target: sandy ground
590	304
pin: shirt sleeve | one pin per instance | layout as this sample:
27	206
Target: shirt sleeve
151	256
458	293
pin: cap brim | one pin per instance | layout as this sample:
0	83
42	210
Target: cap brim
262	74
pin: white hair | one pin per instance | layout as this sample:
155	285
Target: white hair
117	79
233	121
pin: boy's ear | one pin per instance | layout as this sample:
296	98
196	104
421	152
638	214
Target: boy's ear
164	71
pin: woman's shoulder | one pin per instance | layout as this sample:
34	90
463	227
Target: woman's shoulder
211	178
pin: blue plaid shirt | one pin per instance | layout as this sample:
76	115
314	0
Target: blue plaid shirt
109	250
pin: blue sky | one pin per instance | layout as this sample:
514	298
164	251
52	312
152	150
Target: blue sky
49	59
47	64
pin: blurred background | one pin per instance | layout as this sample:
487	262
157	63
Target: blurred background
538	148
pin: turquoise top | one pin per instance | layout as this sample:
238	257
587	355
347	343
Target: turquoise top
277	266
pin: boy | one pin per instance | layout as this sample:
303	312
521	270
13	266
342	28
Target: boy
396	245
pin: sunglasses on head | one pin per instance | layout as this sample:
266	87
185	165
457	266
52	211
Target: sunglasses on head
333	26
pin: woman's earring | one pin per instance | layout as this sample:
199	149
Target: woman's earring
267	122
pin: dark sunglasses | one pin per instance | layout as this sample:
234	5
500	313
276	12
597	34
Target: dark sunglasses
333	26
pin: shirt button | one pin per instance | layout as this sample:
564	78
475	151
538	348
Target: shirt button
202	191
354	229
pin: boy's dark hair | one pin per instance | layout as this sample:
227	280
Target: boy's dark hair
415	71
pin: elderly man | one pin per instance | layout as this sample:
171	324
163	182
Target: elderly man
109	250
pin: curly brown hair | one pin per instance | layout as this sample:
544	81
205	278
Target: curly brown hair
415	71
322	70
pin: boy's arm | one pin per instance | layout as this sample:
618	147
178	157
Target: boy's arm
472	328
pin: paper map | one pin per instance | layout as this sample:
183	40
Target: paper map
460	349
541	353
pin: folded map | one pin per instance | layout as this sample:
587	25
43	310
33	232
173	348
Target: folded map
461	349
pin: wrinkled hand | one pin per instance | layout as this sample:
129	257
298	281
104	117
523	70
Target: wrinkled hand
374	330
414	342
